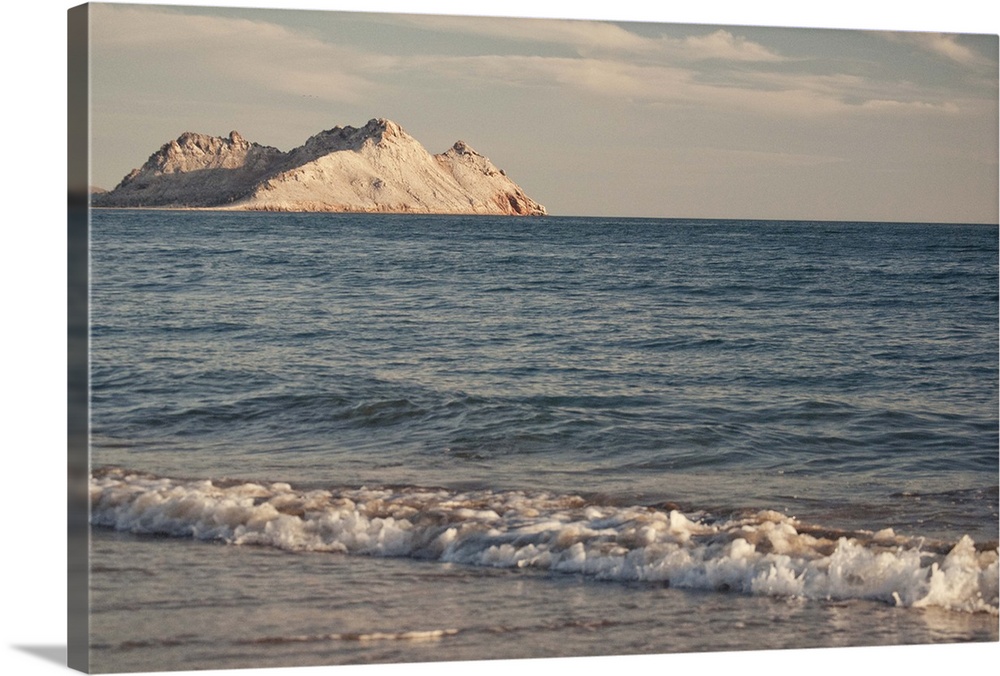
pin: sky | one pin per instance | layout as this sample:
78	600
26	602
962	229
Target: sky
590	117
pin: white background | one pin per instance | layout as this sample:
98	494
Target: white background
33	249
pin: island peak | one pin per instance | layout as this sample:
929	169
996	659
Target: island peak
375	168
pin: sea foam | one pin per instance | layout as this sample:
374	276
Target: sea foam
764	553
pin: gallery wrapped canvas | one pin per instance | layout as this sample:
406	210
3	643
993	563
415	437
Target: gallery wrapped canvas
419	338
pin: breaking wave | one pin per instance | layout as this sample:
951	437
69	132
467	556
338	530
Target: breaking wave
763	553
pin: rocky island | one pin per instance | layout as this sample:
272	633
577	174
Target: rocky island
375	168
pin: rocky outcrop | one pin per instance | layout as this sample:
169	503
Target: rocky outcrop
375	168
195	171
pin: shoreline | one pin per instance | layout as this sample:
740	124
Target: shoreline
317	211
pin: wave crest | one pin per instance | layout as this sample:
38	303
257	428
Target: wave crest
764	553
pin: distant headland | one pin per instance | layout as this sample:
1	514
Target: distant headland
375	168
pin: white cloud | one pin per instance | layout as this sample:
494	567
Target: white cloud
724	45
941	44
582	34
593	38
715	68
947	107
763	92
263	56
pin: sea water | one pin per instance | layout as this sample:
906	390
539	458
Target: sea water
328	439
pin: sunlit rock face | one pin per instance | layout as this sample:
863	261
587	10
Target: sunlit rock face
374	168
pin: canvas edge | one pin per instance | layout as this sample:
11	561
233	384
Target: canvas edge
78	372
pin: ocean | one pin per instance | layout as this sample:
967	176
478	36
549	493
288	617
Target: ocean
338	439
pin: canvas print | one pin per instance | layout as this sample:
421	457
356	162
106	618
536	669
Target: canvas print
403	338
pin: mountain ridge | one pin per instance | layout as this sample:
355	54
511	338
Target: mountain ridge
375	168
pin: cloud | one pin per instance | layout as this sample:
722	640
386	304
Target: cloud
713	67
940	44
601	77
565	32
260	56
749	91
725	46
915	106
595	38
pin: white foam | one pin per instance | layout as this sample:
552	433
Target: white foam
767	553
414	636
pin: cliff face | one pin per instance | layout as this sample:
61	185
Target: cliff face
375	168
